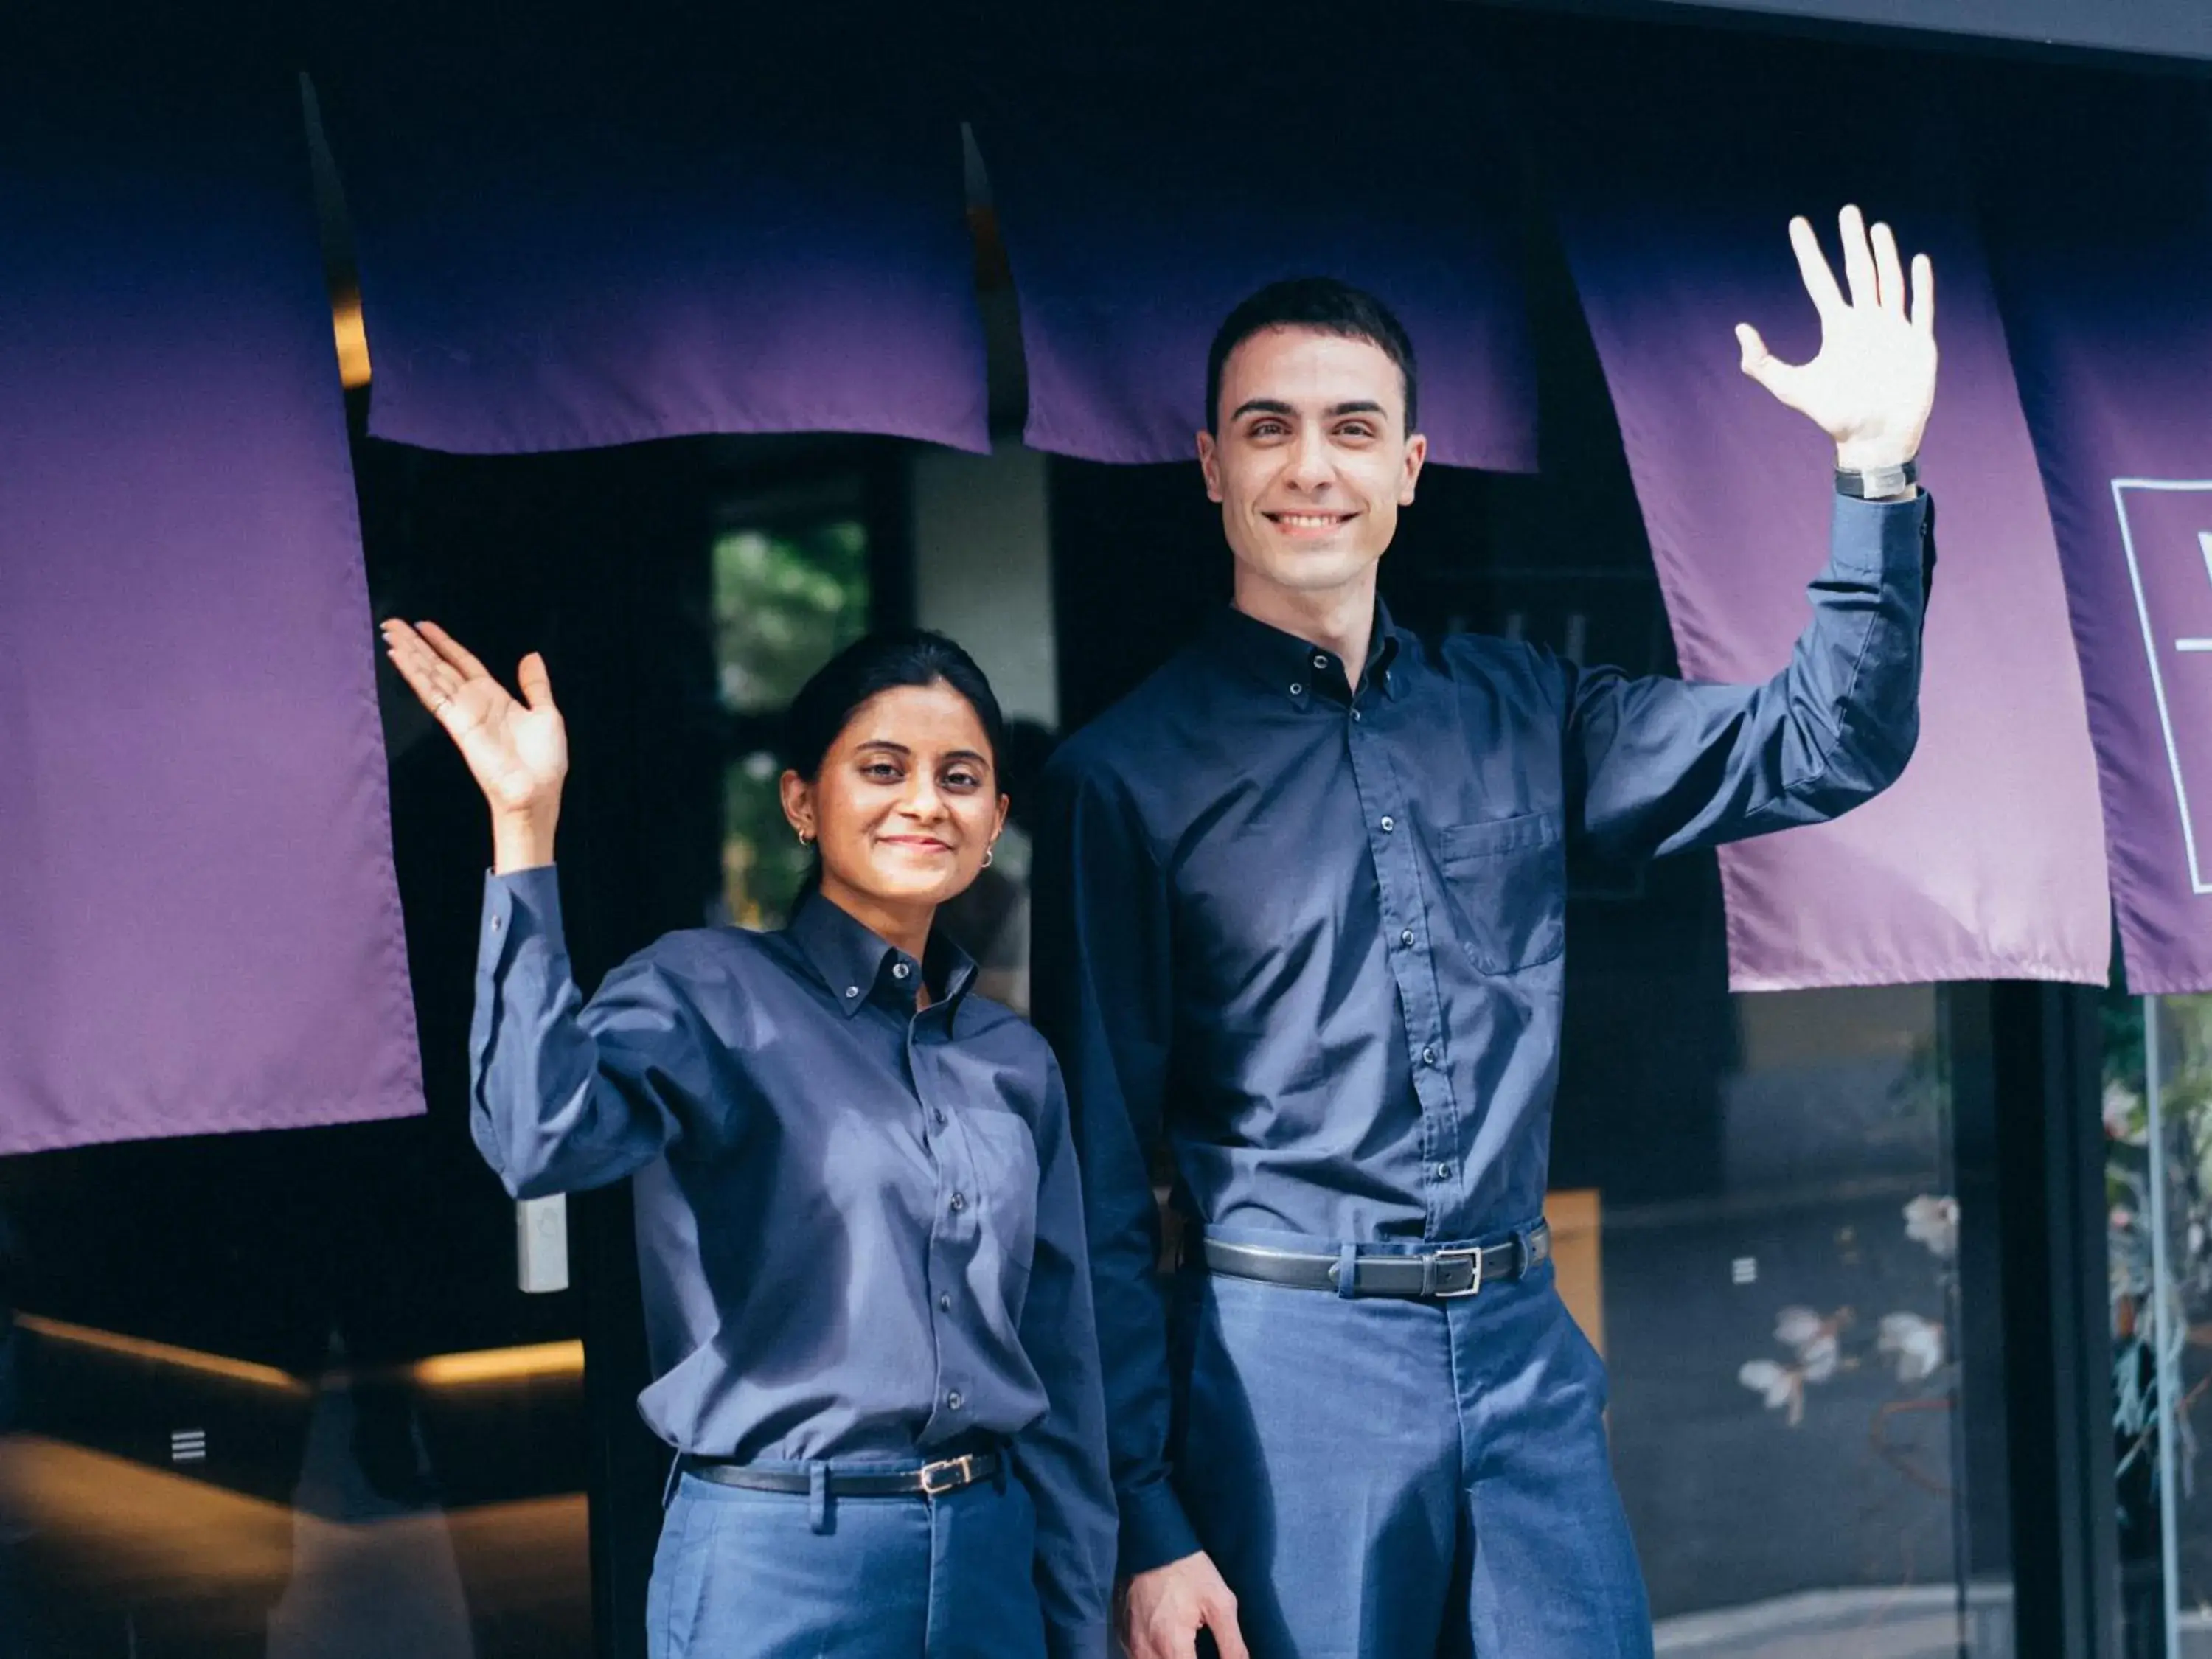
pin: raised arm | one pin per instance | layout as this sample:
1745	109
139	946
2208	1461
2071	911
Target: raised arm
1655	765
562	1096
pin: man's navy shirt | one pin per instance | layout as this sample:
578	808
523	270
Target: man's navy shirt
1316	935
860	1229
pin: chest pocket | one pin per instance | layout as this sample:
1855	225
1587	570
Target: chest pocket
1508	882
1006	1172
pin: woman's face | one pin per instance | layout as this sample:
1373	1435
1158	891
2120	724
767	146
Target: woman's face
906	803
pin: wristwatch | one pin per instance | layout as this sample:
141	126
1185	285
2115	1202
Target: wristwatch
1875	482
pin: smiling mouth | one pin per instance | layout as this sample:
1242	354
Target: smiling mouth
1308	521
920	843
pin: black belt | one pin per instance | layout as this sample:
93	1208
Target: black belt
949	1474
1441	1275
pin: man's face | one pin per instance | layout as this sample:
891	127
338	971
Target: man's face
1313	461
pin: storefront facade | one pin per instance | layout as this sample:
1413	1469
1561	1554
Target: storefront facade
1898	1282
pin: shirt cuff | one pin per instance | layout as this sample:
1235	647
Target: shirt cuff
524	905
1154	1529
1888	539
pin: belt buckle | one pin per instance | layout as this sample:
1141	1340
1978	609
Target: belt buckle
961	1470
1473	1260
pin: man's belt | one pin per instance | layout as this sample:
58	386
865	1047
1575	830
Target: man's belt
1439	1275
949	1474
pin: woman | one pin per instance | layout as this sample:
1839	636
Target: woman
858	1220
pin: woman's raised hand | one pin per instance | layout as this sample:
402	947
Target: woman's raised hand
518	751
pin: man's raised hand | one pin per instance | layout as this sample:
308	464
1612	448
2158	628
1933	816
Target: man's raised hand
1874	380
518	751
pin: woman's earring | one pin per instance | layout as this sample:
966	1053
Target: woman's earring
806	840
989	853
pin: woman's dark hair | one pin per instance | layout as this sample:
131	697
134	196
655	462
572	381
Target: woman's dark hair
877	663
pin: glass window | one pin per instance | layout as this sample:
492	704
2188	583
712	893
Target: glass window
790	590
2158	1186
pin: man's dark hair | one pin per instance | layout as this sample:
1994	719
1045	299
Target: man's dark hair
1325	305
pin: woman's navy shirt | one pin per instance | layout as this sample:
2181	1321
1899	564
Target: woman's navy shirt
860	1227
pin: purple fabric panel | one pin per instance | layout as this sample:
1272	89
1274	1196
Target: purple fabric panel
568	240
2098	199
1679	159
201	925
1142	192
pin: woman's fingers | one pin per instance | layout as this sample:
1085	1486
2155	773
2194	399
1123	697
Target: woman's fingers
537	686
428	675
454	650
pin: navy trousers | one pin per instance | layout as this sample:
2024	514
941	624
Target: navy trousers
1384	1478
752	1574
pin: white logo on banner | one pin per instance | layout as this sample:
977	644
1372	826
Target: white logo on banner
2175	608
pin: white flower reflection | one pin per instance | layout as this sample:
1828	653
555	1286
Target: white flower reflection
1916	1344
1933	1220
1815	1339
2126	1118
1782	1387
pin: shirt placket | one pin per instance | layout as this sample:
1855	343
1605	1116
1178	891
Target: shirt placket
1408	940
951	1235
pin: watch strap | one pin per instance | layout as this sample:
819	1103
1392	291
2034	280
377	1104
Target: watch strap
1874	481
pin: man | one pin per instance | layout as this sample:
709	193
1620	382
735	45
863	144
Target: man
1300	907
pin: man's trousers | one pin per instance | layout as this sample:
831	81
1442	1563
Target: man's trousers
1391	1479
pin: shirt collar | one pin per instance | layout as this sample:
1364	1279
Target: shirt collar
858	966
1286	664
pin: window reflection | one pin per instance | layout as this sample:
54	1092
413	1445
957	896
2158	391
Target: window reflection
790	590
2158	1186
1781	1342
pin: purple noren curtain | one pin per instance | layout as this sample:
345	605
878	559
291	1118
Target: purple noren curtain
2098	208
1142	191
1677	161
617	227
199	928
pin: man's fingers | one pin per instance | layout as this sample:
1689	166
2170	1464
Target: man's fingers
452	650
1924	295
1858	258
1762	365
1228	1640
537	686
1812	265
1888	270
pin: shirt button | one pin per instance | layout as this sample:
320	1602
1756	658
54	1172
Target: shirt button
1321	662
959	1201
1355	715
952	1400
938	1117
1295	689
851	990
494	924
1405	938
1443	1172
1388	825
898	970
1428	1056
944	1303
